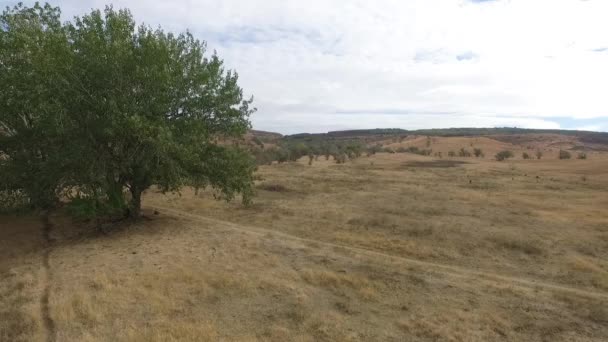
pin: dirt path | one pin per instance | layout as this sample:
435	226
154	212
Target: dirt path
455	271
47	278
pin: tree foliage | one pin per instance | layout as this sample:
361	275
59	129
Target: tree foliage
100	106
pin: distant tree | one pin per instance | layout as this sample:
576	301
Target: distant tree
539	154
282	156
311	157
464	153
451	154
563	154
502	155
477	152
413	149
525	155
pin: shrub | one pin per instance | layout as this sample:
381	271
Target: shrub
539	154
502	155
451	154
477	152
273	187
563	154
464	153
582	155
373	150
525	155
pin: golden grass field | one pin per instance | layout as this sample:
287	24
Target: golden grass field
392	247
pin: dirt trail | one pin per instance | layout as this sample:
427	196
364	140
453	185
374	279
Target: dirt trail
47	278
455	271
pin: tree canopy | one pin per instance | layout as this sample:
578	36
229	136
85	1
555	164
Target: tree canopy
98	110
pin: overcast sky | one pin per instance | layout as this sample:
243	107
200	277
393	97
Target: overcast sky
320	65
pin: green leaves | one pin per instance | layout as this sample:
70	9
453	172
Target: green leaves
100	105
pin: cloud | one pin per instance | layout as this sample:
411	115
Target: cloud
324	65
466	56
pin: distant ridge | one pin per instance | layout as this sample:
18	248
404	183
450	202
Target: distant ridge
584	136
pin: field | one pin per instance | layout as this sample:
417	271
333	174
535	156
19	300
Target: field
391	247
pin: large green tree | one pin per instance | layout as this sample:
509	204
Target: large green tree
123	107
34	53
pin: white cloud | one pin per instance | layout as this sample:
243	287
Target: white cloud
408	64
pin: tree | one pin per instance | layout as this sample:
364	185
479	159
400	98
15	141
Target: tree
539	154
563	154
525	155
464	152
582	155
502	155
126	108
33	48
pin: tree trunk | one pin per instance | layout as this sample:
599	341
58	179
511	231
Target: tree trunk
135	209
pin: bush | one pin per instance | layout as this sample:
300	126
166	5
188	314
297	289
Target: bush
464	153
502	155
582	155
525	155
477	152
539	154
451	154
563	154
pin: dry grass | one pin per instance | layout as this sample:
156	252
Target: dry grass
392	251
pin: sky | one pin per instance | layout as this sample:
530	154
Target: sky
321	65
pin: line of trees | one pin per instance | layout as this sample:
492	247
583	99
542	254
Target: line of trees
97	110
290	151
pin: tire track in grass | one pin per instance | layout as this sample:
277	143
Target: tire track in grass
457	271
47	278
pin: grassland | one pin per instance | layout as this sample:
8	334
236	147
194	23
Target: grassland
392	247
